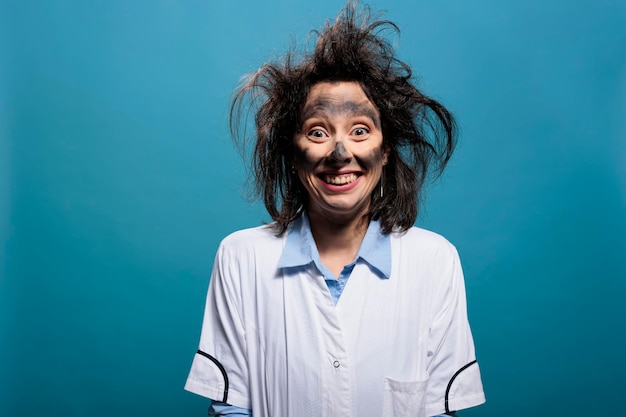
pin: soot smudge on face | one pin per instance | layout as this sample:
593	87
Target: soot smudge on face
339	153
323	106
302	158
375	157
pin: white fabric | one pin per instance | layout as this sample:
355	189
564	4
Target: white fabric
389	348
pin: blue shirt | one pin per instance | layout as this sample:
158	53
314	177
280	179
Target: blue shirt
300	252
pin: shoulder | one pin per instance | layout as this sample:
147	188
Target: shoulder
423	241
428	255
256	241
253	235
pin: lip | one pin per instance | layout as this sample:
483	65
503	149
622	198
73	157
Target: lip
339	187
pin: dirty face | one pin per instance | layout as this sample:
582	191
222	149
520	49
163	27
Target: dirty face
339	150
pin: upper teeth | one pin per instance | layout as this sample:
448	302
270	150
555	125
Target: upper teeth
340	179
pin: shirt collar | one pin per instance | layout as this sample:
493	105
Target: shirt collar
300	249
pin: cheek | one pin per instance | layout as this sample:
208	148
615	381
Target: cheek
305	159
374	158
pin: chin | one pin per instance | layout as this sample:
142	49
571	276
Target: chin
344	211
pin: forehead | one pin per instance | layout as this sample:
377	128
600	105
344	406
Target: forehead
338	98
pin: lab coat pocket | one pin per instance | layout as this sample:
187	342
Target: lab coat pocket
404	399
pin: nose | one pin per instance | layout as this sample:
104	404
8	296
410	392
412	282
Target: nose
340	154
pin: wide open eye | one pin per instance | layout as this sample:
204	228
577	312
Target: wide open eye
360	131
316	134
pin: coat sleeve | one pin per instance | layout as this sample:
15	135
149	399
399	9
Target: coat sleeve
219	370
455	381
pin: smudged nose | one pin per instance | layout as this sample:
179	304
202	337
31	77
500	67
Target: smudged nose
340	153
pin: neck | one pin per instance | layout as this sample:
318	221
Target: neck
337	242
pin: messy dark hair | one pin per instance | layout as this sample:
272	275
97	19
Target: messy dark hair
418	132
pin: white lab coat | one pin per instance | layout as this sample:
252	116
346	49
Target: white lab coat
273	340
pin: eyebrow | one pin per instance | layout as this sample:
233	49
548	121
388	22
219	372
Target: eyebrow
323	106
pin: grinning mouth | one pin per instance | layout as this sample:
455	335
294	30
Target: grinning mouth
339	179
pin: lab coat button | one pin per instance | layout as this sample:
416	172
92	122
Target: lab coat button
336	364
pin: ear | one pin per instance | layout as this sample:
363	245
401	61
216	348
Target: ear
385	154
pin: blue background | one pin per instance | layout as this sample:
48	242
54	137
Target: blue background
118	179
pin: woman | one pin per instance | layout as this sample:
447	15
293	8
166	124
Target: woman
340	307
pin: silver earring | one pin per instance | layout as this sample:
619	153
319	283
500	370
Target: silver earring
381	184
